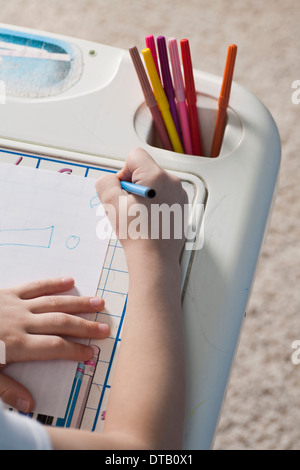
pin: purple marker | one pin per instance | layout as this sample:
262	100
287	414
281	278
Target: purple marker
167	80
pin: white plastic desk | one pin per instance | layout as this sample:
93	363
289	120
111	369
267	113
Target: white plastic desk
94	117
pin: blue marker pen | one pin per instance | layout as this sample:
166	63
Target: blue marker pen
138	189
78	378
61	422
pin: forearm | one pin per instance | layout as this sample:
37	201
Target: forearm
146	403
147	396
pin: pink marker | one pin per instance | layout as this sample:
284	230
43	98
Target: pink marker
180	96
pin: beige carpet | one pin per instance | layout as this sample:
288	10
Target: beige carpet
262	408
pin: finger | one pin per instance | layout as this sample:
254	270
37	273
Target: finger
109	189
14	394
141	169
48	348
34	289
66	304
138	159
66	325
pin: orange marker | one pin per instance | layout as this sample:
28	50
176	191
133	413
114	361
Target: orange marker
223	101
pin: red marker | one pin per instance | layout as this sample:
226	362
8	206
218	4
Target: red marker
191	96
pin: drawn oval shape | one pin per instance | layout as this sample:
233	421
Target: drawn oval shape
95	201
72	242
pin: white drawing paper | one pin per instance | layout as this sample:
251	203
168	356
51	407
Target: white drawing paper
48	224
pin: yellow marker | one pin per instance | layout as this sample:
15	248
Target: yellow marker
162	101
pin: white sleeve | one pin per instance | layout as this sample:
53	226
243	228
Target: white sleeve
17	432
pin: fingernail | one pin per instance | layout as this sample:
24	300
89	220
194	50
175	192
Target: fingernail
89	351
67	280
104	329
96	302
22	405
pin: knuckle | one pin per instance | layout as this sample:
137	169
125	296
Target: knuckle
162	177
86	327
174	180
57	343
52	301
61	321
14	342
5	392
105	187
37	285
108	197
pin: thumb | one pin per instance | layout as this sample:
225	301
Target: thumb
14	394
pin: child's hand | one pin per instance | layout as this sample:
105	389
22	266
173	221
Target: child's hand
35	322
135	218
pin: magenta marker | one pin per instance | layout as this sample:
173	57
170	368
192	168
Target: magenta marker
149	40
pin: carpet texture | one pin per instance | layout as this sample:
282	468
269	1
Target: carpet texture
262	407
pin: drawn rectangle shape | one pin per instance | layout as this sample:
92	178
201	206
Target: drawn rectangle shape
36	237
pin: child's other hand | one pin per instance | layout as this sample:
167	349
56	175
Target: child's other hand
135	219
38	324
34	323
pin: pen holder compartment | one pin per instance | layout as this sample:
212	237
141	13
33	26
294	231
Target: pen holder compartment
207	107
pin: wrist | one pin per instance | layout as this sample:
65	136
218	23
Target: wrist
143	256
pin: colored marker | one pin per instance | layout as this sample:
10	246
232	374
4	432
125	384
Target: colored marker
89	372
191	96
167	80
61	422
223	101
150	43
138	189
79	377
150	98
180	96
162	101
